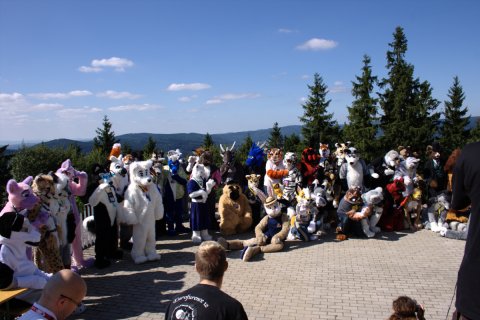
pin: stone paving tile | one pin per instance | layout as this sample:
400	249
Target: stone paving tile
354	279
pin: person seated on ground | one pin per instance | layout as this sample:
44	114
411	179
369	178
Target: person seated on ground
61	296
205	300
405	308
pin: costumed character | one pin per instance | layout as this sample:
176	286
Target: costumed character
339	156
437	212
198	189
449	166
47	254
231	170
16	233
251	192
61	209
141	207
393	217
77	185
372	211
234	209
329	175
119	177
407	169
255	163
433	172
275	171
413	210
354	171
310	167
205	157
458	222
175	181
385	167
319	200
159	176
292	183
270	233
302	224
349	213
104	203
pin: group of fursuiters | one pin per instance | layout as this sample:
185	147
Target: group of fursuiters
272	193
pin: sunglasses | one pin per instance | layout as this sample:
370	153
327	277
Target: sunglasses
77	304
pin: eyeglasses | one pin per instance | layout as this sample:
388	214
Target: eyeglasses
71	300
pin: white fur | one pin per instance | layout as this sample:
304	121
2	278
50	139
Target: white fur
142	212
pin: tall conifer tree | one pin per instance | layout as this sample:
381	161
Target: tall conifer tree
105	137
454	131
317	122
362	115
276	139
409	116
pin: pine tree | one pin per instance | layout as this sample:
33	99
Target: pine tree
292	143
242	152
207	141
276	139
149	148
454	132
475	133
362	115
318	124
105	137
409	116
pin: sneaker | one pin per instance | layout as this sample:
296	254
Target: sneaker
80	309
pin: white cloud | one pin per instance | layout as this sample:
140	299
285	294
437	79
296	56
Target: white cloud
47	107
86	69
232	96
97	65
118	95
75	113
60	95
338	87
187	99
316	44
10	103
135	107
285	30
188	86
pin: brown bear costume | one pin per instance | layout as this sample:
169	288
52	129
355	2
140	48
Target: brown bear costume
234	210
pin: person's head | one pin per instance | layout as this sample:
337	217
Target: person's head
211	261
63	292
404	308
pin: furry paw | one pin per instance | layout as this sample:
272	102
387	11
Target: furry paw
443	232
196	239
140	259
153	257
375	229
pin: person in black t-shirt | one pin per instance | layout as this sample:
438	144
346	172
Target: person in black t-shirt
466	190
205	300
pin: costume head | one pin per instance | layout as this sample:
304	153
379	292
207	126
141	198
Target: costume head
354	195
324	150
275	155
206	158
340	152
290	160
67	169
116	150
351	155
272	207
411	163
256	156
44	185
232	191
392	158
199	172
253	180
310	156
140	173
373	197
174	160
117	166
20	195
434	151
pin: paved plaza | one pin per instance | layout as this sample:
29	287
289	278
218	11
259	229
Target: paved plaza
324	279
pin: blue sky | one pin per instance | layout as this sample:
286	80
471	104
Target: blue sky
212	66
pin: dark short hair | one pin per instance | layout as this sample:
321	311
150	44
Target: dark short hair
210	260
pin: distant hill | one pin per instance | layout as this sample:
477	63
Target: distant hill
183	141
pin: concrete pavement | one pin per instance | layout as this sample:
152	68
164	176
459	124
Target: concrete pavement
324	279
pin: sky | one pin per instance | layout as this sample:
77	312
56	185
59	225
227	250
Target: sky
212	66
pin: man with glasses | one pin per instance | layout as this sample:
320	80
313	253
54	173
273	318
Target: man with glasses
62	294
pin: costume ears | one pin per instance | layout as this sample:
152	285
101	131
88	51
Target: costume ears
13	186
